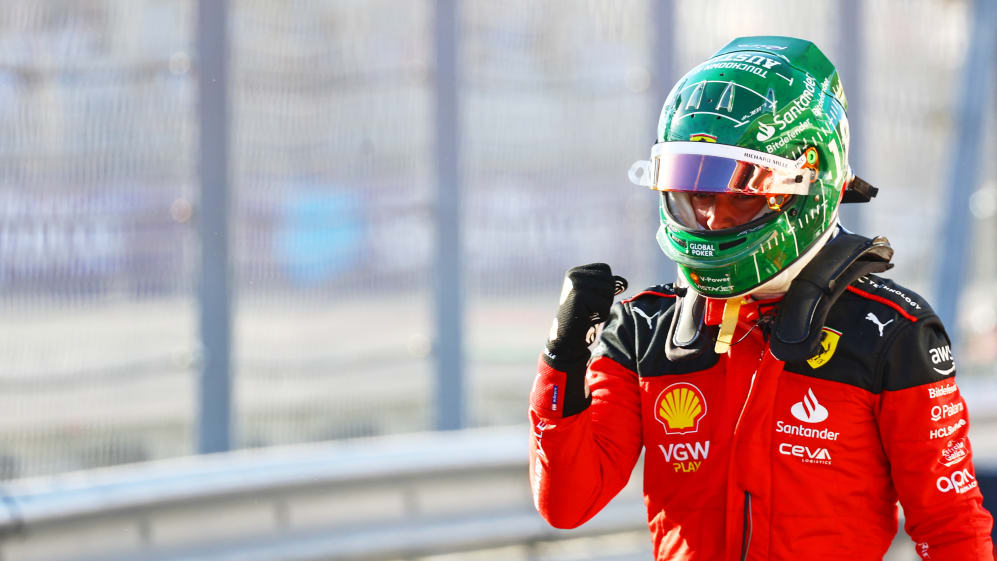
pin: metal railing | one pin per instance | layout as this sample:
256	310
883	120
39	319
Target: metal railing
364	499
385	498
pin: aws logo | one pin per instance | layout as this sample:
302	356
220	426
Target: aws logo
943	355
679	408
828	344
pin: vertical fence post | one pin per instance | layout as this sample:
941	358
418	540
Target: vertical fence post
448	295
964	161
663	77
214	291
851	70
977	88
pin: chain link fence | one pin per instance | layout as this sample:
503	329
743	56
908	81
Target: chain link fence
333	200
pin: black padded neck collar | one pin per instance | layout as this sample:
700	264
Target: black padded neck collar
801	314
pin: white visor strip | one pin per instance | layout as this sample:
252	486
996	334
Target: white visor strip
724	151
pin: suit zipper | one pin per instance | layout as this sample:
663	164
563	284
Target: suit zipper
746	539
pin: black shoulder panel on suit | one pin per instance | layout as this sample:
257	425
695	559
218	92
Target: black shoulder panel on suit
636	332
880	336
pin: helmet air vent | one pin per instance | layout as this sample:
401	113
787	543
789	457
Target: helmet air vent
727	98
697	96
732	243
770	99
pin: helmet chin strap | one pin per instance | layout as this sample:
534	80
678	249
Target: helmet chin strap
732	307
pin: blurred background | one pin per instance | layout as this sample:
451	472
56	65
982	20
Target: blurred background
253	224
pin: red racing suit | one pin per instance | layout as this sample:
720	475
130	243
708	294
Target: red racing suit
751	458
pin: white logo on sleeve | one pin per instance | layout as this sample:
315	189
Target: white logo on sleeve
647	317
959	481
954	452
939	412
872	317
809	410
941	355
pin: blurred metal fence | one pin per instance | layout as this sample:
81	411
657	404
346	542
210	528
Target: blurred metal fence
98	338
332	192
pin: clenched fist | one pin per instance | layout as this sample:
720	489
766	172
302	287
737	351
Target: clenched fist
586	296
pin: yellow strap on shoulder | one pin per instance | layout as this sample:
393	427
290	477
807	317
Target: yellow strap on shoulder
731	310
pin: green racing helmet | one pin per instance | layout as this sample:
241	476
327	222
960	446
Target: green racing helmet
763	116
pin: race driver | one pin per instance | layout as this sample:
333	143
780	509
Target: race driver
786	397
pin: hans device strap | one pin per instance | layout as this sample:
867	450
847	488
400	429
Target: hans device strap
688	335
845	258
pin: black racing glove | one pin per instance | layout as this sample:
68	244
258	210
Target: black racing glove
586	296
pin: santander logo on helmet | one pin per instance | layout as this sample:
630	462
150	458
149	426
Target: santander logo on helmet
809	410
765	132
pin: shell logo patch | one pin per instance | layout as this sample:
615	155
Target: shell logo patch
828	344
680	407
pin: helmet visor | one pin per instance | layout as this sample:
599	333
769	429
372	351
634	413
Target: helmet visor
717	168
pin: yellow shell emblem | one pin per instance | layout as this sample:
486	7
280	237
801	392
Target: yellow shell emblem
828	344
680	407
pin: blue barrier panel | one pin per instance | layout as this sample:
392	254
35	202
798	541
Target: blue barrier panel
988	486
